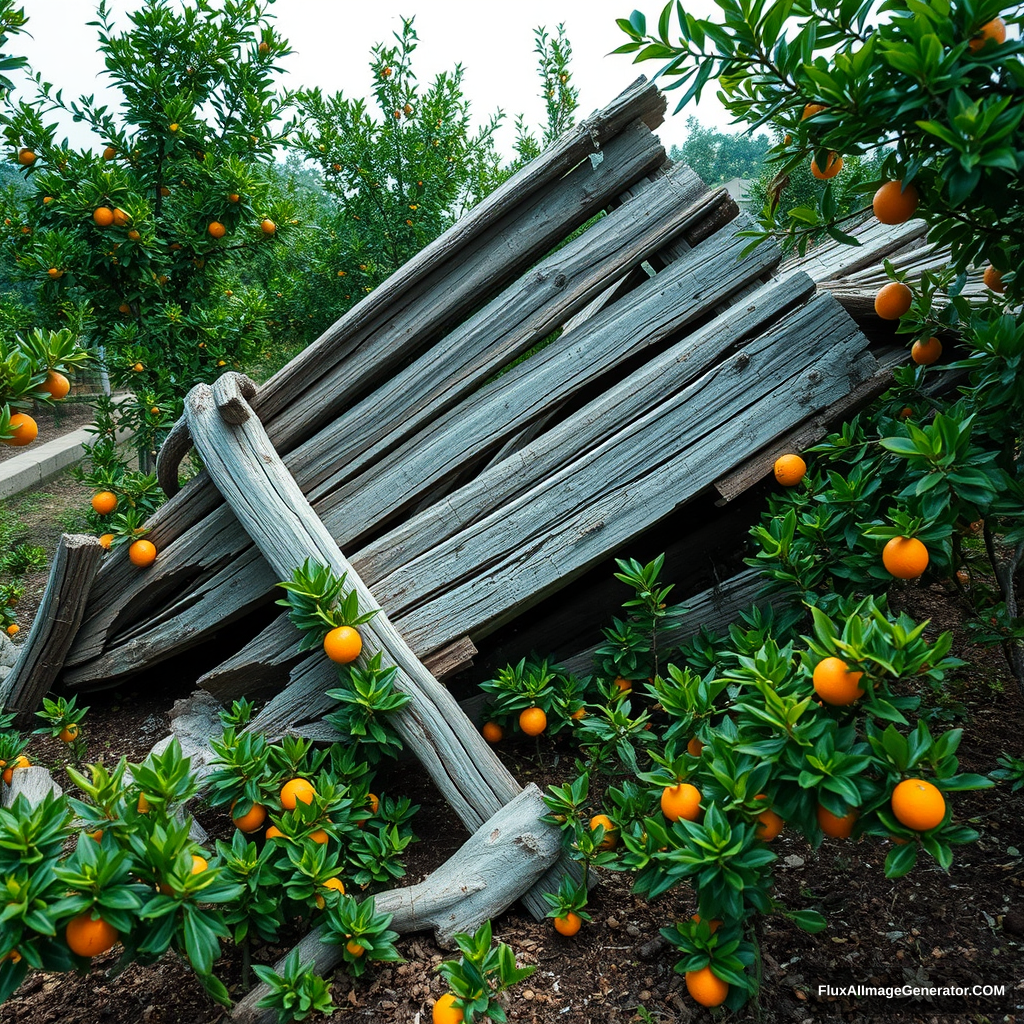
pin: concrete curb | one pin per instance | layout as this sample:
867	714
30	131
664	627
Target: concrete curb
41	462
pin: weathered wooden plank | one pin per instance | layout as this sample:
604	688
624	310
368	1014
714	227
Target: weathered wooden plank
274	512
274	650
499	862
831	260
53	629
192	549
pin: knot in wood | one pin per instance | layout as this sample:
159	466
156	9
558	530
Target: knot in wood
742	361
560	280
814	377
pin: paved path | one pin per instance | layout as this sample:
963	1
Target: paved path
39	462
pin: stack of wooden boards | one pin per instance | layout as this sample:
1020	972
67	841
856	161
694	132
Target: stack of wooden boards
466	487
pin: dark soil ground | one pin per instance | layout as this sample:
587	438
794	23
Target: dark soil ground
930	928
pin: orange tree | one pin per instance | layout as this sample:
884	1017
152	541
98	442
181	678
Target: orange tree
394	171
937	89
133	242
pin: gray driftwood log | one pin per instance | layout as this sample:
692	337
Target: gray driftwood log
53	628
272	509
489	872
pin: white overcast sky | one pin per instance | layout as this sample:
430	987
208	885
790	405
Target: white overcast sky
332	40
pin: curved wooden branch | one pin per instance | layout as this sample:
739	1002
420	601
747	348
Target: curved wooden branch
232	392
176	446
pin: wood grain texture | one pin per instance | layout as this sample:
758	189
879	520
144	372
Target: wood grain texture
54	627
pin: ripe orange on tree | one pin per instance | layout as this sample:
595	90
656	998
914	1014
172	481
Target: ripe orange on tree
24	430
694	747
56	385
833	165
713	925
216	229
20	762
811	109
706	987
109	153
104	502
274	833
918	804
769	824
121	218
137	368
26	157
55	273
533	721
445	1010
926	351
492	732
267	226
343	644
905	557
994	30
142	553
790	470
103	216
69	733
106	540
835	826
88	937
993	279
624	685
264	48
251	820
199	864
296	790
610	838
835	684
681	801
319	836
569	924
893	300
894	204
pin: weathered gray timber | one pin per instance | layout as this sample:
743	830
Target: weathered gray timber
272	509
501	860
34	783
53	628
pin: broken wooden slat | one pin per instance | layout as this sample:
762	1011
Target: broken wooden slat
54	626
495	866
274	512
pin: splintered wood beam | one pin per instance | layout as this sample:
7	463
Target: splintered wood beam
54	627
272	509
489	872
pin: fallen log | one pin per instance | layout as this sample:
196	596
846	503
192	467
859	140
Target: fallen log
272	509
53	628
493	868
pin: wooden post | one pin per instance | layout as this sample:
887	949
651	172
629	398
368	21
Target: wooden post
273	510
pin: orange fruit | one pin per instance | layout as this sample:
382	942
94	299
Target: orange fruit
109	153
894	204
906	412
165	192
97	836
137	368
104	502
103	216
319	836
24	430
833	166
134	235
296	790
609	841
926	351
275	833
56	385
492	732
713	925
579	714
343	644
267	226
26	157
374	801
142	805
811	109
533	721
20	762
55	273
251	820
216	229
994	30
835	684
569	924
893	300
354	948
769	824
963	577
790	470
680	801
174	127
694	747
87	937
106	540
121	218
124	308
142	553
706	987
335	883
835	826
918	804
13	629
199	864
905	557
445	1010
993	279
264	48
234	197
69	733
624	685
